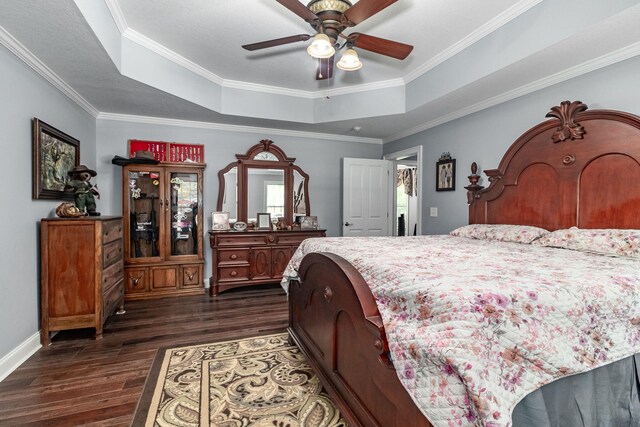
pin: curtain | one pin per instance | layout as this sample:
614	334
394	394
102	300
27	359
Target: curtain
408	177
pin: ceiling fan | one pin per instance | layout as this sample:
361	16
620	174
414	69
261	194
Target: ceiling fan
329	18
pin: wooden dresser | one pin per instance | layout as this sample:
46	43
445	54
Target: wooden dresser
82	273
247	258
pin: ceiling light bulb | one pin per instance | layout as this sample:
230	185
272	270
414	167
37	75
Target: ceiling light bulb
321	47
349	61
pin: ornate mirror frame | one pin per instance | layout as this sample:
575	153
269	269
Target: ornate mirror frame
248	161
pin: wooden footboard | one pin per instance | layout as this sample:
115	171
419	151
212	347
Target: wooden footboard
334	319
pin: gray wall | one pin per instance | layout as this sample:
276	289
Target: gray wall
26	95
321	159
484	137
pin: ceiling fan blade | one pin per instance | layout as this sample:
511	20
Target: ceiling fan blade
382	46
325	68
299	9
277	42
363	10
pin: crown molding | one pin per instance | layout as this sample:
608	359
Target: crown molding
347	90
117	14
570	73
494	24
15	47
275	90
234	128
156	47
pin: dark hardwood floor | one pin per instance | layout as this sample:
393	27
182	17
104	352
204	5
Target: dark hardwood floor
80	381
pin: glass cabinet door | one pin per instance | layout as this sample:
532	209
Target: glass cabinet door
145	212
184	204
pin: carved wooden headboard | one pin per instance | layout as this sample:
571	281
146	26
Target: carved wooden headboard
581	168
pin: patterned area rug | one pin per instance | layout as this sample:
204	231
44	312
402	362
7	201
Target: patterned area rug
258	382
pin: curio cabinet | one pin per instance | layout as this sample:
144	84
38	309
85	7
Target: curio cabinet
162	207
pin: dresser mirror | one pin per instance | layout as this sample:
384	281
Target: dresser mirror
229	188
263	180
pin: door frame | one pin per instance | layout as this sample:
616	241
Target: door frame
395	156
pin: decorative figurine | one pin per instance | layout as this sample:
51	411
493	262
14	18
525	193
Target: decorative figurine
83	190
281	224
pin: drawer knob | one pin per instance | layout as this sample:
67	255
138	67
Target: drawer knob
191	274
234	256
233	273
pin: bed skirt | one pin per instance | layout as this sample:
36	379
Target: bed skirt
606	396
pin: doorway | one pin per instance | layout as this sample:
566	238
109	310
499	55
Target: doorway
406	217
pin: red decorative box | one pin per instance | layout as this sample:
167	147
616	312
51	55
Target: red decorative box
186	152
169	151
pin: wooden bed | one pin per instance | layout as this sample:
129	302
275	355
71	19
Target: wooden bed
580	168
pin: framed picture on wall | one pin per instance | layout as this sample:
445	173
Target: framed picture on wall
446	174
54	154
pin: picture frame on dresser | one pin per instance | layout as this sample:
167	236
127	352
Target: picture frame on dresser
220	221
54	154
263	221
309	223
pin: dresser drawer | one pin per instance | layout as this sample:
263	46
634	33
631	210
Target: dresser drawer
112	275
112	299
111	252
164	278
111	230
192	275
242	240
233	256
136	280
293	240
233	274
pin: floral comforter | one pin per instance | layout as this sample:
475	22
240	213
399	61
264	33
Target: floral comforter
474	326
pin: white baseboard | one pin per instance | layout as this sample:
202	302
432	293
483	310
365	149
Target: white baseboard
18	355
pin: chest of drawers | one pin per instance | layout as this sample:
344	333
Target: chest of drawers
247	258
82	273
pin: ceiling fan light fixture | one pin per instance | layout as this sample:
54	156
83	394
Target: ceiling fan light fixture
349	61
321	47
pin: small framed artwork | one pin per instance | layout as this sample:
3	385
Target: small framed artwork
220	220
446	174
54	154
309	223
263	221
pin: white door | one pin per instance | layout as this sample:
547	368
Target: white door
366	201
